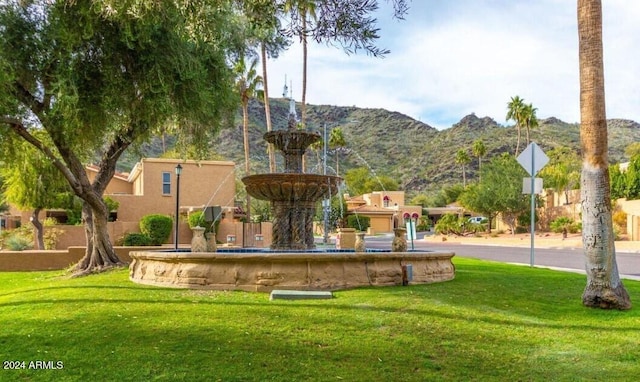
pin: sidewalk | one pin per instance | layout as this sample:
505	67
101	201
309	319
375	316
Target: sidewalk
541	240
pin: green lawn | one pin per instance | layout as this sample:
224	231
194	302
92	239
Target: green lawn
494	322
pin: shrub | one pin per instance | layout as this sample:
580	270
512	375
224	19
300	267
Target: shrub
564	223
18	242
157	227
457	225
424	224
359	222
620	220
196	219
51	233
135	239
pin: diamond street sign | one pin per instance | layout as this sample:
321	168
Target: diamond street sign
533	159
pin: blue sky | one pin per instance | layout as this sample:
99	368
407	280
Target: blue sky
455	57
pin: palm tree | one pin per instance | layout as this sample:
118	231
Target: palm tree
463	158
337	142
514	112
247	84
264	22
604	288
303	9
267	108
479	150
529	118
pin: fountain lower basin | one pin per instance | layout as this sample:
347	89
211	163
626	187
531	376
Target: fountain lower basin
263	271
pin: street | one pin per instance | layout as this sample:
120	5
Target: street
570	259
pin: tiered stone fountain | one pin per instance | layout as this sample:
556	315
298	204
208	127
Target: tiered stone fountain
292	262
293	195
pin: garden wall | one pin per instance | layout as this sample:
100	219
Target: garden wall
34	260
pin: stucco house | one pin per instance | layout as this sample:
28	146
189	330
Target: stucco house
385	209
151	188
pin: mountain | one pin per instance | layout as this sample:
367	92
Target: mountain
418	156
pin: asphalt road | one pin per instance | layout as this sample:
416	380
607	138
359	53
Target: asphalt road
570	259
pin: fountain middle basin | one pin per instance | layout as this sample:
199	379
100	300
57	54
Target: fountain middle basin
293	199
264	271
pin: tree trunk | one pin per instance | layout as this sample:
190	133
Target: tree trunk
464	177
39	228
245	128
604	288
267	108
518	141
303	106
99	255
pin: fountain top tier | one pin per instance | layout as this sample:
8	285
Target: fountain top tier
292	143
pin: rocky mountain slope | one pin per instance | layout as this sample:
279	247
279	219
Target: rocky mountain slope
420	157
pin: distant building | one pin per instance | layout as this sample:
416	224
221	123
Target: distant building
385	209
150	188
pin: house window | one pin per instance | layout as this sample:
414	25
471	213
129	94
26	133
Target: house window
166	183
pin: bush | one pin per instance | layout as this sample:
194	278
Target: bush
564	223
135	239
424	224
457	225
196	219
157	227
620	220
359	222
18	242
51	233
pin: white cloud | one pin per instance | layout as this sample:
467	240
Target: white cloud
449	59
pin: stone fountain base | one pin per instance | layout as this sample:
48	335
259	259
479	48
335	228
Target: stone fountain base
263	272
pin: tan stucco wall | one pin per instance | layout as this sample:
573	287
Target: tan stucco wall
376	198
19	261
632	209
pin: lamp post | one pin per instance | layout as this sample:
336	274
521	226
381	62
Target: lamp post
178	172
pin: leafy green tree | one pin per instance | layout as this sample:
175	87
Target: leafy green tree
604	288
101	77
632	179
32	183
618	182
463	159
562	173
361	181
479	150
446	196
632	150
499	192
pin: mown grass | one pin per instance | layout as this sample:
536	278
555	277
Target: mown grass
494	322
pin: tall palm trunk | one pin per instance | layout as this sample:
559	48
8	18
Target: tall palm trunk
604	288
518	141
267	108
245	129
303	107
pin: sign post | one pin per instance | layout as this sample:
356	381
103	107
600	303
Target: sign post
533	159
